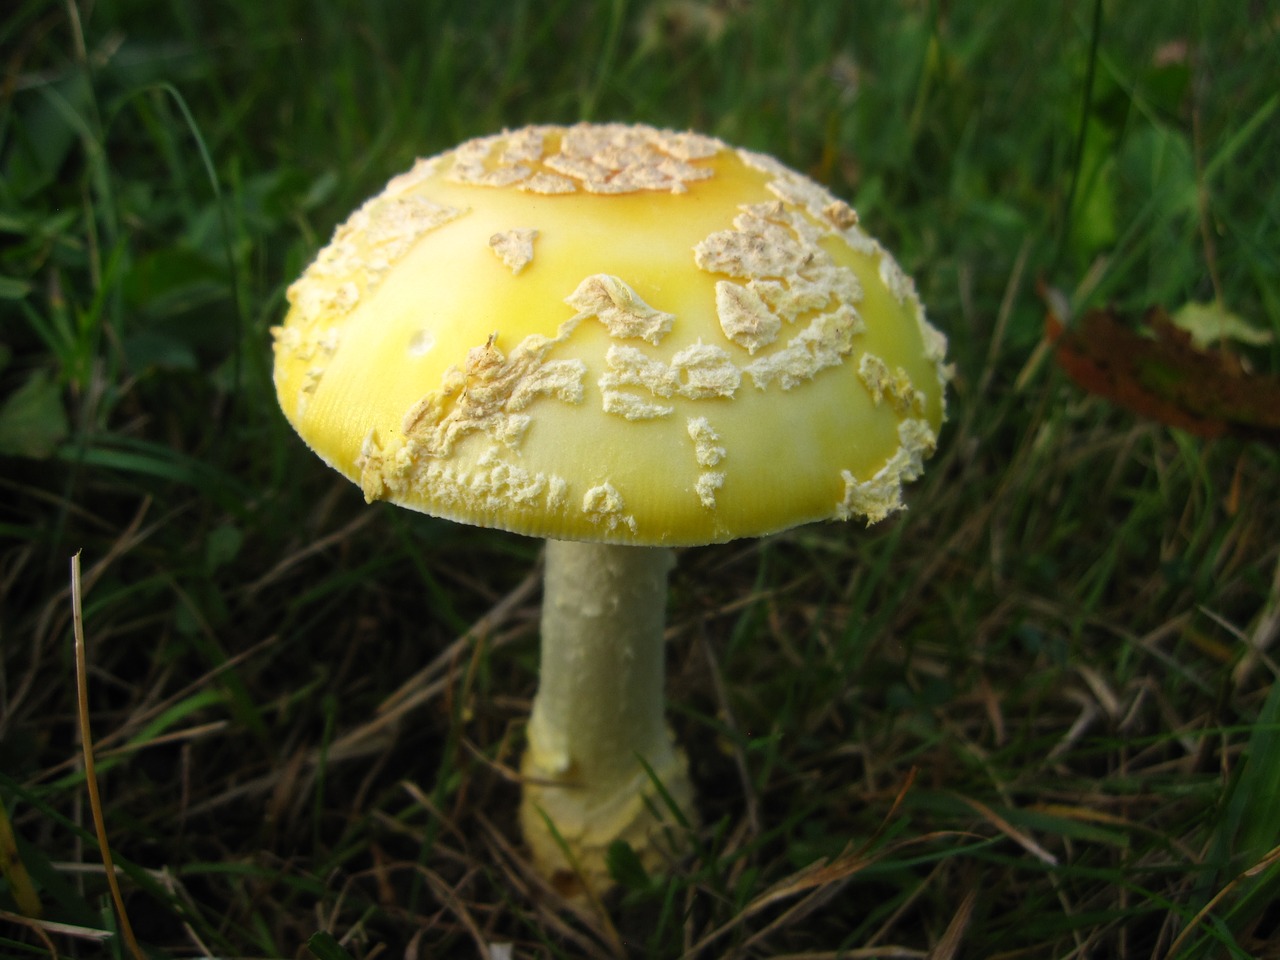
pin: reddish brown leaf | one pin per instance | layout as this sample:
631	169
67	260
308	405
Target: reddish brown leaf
1156	371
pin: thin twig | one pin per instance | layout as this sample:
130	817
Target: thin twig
90	776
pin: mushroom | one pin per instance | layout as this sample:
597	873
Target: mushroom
623	340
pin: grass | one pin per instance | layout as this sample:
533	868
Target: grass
1034	716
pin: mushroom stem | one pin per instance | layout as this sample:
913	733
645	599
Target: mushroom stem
599	709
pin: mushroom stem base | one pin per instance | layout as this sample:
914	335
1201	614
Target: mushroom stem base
588	826
599	711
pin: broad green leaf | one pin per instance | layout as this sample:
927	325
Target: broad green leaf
324	947
11	288
1210	323
32	419
222	545
626	868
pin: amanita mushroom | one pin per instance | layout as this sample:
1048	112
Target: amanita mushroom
624	340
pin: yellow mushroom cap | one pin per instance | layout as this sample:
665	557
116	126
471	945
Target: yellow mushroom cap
614	333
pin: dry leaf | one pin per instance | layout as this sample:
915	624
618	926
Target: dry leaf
1155	370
